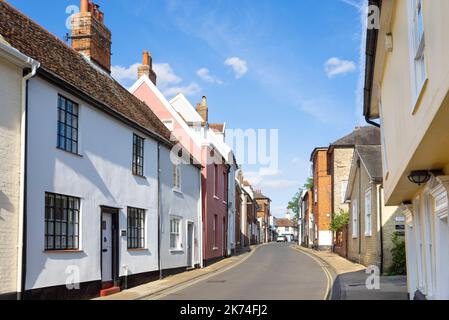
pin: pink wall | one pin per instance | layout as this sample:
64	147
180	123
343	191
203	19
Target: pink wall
213	204
145	94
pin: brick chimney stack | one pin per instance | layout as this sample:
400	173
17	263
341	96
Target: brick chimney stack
90	36
146	69
203	110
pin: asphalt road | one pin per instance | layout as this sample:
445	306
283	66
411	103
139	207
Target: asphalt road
274	271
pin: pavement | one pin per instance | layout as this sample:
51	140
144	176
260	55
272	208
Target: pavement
349	279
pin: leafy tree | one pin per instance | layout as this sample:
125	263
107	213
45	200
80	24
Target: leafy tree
293	205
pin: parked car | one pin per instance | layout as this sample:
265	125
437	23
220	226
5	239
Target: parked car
281	239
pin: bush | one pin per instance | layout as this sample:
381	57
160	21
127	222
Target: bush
339	221
398	266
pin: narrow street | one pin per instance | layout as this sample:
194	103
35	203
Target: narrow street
274	272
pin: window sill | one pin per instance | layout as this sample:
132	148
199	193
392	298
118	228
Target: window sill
62	251
70	152
176	190
173	251
139	176
418	98
138	250
216	198
215	248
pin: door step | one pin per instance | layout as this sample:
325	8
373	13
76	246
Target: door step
109	291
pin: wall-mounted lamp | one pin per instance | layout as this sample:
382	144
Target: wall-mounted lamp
419	177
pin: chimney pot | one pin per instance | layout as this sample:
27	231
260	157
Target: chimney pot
204	101
84	6
146	58
147	67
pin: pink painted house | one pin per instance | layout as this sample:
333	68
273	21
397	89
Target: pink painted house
191	128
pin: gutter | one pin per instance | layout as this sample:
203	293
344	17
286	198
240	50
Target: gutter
370	53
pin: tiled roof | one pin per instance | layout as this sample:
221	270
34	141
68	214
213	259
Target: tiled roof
368	135
61	61
217	127
285	223
371	157
259	195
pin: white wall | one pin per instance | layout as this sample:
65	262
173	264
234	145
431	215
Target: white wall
185	205
10	125
102	175
231	209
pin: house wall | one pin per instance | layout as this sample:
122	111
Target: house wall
341	166
238	217
214	204
10	153
231	210
322	207
151	95
364	249
100	176
184	204
411	130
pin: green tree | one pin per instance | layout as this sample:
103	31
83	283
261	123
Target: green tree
293	204
339	220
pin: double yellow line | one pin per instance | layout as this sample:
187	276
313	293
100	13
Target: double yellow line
327	273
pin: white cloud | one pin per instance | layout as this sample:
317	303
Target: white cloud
125	74
165	75
205	75
189	90
239	66
167	80
335	66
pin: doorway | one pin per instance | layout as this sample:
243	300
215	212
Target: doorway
109	247
190	250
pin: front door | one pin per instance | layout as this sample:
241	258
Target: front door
190	245
106	247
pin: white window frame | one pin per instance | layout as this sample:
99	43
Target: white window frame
417	50
343	186
368	213
176	232
315	194
355	218
177	177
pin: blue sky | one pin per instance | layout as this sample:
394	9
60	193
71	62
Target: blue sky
292	65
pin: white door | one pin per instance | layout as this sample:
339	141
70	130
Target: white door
106	247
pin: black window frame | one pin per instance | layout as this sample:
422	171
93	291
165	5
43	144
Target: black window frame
68	119
72	219
138	155
135	228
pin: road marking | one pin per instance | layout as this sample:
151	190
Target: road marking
329	278
197	280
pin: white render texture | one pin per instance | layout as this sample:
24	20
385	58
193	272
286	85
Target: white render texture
10	126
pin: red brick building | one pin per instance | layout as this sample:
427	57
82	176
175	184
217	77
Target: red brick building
322	197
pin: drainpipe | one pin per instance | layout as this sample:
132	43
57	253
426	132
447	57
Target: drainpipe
159	220
380	213
21	270
359	235
367	119
201	222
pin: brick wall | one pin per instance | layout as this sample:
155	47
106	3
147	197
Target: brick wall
10	86
322	181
